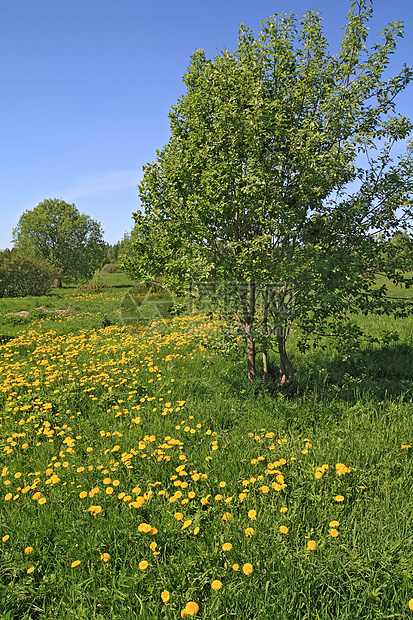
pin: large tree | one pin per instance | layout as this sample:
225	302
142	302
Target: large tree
279	180
70	240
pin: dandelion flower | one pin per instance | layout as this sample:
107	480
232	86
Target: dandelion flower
75	563
42	501
191	608
283	529
249	532
178	516
143	565
165	596
8	497
339	498
252	514
333	532
311	545
216	585
28	550
83	494
235	567
283	509
411	604
226	547
226	516
196	530
334	523
186	524
247	569
105	557
30	570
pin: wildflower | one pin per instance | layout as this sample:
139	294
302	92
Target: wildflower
226	547
235	567
339	498
216	585
143	565
165	596
28	550
186	524
283	529
178	516
334	523
42	501
249	532
75	563
8	497
411	604
252	514
196	530
191	608
333	532
283	509
226	516
5	538
105	557
30	570
247	569
144	527
311	545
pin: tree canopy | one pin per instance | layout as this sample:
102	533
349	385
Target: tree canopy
279	176
70	240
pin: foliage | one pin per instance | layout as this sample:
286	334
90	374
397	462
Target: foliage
70	240
279	177
22	275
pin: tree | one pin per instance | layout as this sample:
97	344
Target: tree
71	241
279	179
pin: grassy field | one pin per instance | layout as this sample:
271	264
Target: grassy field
142	477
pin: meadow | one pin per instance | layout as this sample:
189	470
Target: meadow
142	476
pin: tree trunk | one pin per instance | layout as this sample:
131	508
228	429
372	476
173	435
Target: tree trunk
286	367
251	358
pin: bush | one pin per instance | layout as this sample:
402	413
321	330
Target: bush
111	268
25	275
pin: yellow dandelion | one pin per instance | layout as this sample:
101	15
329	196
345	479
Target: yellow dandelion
165	596
311	545
178	516
75	563
144	527
249	532
283	529
105	557
42	501
28	550
226	516
339	498
334	523
83	494
247	569
196	530
283	509
187	523
226	546
8	497
143	565
235	567
5	538
252	514
192	608
216	585
30	570
411	604
333	532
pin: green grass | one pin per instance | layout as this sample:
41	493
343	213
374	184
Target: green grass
168	418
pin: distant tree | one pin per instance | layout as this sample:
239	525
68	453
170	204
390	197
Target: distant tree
71	241
279	178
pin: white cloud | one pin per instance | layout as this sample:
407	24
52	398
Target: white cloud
97	185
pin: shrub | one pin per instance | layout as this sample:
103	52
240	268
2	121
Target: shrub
111	268
25	275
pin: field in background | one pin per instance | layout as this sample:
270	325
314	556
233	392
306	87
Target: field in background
142	476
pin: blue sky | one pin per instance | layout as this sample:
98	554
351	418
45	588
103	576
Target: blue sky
86	87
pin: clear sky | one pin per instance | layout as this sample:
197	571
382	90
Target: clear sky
86	87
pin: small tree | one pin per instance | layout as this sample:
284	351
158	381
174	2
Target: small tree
278	177
71	241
